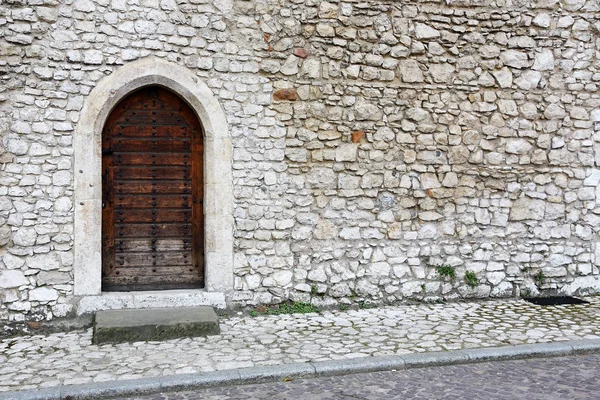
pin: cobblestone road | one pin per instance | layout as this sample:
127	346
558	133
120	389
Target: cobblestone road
543	379
70	358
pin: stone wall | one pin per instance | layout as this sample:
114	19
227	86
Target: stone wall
372	141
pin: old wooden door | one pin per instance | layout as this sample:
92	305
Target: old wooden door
152	194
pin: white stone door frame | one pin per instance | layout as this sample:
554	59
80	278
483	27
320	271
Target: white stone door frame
218	181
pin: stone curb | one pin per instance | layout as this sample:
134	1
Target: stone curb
303	370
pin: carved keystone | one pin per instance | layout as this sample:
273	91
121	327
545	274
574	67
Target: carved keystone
285	94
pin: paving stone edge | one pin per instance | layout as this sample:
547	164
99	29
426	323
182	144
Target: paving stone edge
303	370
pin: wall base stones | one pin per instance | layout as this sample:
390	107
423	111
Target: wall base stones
372	142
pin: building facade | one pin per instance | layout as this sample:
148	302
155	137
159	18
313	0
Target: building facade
338	152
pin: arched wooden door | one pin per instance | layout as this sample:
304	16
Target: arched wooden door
152	194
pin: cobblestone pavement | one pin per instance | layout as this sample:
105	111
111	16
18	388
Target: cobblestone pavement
70	358
543	379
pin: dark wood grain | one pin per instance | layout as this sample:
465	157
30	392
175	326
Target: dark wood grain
153	173
182	186
152	220
156	145
152	215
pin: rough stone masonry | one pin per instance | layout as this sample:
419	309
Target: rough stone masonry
373	141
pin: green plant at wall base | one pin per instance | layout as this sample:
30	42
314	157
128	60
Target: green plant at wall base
447	272
471	279
314	289
526	292
540	278
293	308
363	305
253	313
343	307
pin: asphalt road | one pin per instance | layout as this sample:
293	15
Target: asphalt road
562	378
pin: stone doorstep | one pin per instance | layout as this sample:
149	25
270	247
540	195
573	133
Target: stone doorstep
119	326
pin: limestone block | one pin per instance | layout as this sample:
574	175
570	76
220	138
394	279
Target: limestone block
53	278
225	6
12	279
18	146
283	278
365	110
347	181
43	294
322	177
145	27
410	72
429	181
84	5
301	232
526	208
5	233
325	30
544	60
290	66
525	42
63	204
542	20
504	77
61	178
317	274
593	178
93	57
430	216
378	269
296	154
554	111
351	234
518	146
12	262
325	230
515	59
346	152
579	113
311	68
441	73
508	107
328	10
47	14
25	237
44	262
554	211
423	31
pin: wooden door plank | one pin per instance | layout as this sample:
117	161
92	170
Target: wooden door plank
151	131
162	145
162	230
152	159
153	173
155	187
150	201
151	260
128	245
151	215
151	117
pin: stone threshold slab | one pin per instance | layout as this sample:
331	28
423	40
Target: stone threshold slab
154	324
275	373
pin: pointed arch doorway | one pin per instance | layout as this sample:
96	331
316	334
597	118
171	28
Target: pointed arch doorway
90	296
152	194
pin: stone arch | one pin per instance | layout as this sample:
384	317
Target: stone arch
218	200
